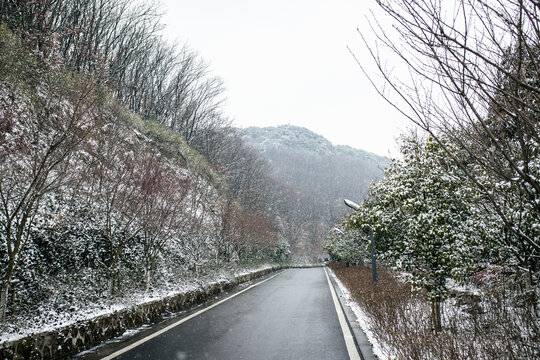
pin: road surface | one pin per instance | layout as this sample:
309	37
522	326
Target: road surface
290	316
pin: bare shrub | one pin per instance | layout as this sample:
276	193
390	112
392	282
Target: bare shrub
487	326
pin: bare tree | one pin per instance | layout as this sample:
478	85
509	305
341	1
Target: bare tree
200	223
164	192
114	188
39	138
119	42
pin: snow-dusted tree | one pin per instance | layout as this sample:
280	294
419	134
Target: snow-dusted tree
258	235
230	239
426	220
163	188
114	188
201	224
282	250
350	247
45	115
475	81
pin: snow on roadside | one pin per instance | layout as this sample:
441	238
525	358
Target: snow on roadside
378	349
51	320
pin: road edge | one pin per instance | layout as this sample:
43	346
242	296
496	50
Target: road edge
364	346
113	345
183	319
350	341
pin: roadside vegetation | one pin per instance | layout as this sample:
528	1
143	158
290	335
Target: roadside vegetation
457	214
482	325
100	207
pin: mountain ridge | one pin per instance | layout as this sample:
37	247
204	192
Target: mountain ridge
255	134
315	166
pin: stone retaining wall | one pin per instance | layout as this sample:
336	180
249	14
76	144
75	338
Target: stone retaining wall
80	336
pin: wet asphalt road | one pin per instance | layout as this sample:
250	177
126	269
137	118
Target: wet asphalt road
291	316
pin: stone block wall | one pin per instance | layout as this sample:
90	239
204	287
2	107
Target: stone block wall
80	336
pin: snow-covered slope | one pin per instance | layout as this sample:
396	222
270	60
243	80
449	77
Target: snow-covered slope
312	164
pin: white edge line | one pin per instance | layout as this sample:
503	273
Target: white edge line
183	320
347	335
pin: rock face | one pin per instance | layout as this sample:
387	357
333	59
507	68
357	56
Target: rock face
75	338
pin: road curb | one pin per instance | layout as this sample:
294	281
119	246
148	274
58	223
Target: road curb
364	346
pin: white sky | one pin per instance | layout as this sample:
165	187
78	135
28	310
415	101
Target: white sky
286	62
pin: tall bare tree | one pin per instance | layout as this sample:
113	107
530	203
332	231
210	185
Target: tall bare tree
42	124
116	186
164	191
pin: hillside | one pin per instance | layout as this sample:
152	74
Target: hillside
314	166
102	206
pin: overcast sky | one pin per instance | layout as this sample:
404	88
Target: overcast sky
286	62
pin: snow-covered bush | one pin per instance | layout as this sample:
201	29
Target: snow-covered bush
427	220
282	251
350	247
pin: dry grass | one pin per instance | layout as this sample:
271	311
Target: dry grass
473	327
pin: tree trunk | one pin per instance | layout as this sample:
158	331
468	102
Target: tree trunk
147	281
3	299
436	314
112	282
6	279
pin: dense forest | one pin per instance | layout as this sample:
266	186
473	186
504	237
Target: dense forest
323	174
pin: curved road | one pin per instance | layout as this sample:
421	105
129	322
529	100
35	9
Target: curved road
290	316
